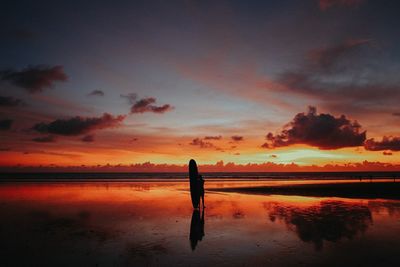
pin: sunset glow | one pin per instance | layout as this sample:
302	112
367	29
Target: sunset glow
228	81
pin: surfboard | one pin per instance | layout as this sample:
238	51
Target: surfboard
194	190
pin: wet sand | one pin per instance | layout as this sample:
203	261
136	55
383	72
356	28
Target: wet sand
368	190
153	224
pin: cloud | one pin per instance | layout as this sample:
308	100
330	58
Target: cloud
88	138
266	145
397	114
387	143
385	153
203	144
321	63
146	105
218	137
237	138
219	166
342	77
131	97
35	79
8	101
79	125
325	58
345	95
45	139
327	4
68	155
96	93
5	124
319	130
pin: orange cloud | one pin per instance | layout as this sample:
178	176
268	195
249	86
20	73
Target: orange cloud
219	166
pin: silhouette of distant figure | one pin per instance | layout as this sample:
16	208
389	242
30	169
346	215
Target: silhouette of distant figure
196	228
200	182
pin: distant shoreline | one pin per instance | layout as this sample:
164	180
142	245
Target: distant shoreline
367	190
183	176
220	175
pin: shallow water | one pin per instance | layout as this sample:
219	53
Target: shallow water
153	223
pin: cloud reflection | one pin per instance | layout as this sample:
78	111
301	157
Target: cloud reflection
328	221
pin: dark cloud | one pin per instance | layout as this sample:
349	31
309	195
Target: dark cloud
316	75
321	63
68	155
265	145
35	79
204	144
45	139
319	130
146	105
387	143
79	125
327	4
88	138
237	138
397	114
387	153
326	58
342	95
96	93
130	97
218	137
8	101
343	78
5	124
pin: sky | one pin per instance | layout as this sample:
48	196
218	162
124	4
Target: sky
311	82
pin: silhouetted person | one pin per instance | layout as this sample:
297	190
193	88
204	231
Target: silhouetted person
201	188
196	228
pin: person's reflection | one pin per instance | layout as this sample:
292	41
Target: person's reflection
196	228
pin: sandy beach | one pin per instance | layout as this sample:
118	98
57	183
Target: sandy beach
153	224
367	190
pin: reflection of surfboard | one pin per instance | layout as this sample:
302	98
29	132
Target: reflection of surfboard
194	190
196	228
